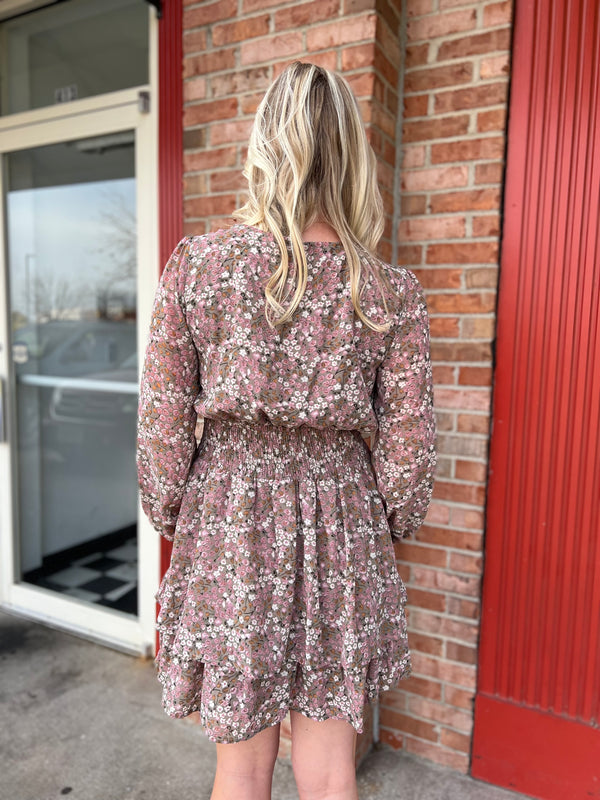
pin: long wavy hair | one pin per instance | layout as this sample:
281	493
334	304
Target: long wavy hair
309	160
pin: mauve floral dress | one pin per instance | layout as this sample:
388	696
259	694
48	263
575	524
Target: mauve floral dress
282	591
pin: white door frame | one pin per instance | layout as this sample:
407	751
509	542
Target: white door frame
108	113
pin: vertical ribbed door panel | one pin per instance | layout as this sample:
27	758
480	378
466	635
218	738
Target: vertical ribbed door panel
538	696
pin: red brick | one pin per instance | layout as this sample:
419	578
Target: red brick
244	80
461	652
249	103
431	228
194	138
467	632
437	128
416	105
426	644
460	607
434	752
494	67
194	41
206	13
195	184
463	253
240	31
459	492
458	445
441	373
383	65
362	83
467	518
258	5
424	599
445	421
488	225
208	62
438	512
478	327
228	181
435	556
327	59
445	328
450	538
468	150
491	121
227	132
475	45
196	228
471	200
470	399
417	8
362	55
194	89
459	351
473	423
445	581
420	728
464	562
435	25
416	55
423	687
410	254
389	41
455	740
481	278
208	159
489	173
439	278
413	156
209	206
271	48
475	376
462	674
423	80
470	471
437	177
391	738
463	303
301	14
497	14
458	697
440	712
210	111
413	204
345	31
354	6
488	94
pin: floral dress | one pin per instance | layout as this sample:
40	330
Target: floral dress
282	591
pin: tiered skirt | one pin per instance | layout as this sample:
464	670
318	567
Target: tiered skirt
283	591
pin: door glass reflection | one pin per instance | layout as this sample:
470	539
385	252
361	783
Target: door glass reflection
72	277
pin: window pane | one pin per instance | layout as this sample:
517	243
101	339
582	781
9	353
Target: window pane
72	50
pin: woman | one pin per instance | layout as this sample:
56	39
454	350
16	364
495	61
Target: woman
292	342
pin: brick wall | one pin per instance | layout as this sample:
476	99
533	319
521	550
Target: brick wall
440	144
455	91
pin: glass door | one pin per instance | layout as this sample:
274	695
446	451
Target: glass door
80	269
72	268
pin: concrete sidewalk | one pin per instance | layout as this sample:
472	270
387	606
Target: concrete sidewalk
84	721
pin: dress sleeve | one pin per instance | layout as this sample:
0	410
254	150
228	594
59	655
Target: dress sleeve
404	450
166	417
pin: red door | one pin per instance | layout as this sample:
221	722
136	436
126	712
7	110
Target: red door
538	697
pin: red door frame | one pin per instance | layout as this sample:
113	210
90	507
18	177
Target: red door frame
170	158
537	705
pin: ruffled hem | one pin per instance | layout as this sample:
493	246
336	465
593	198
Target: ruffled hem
234	707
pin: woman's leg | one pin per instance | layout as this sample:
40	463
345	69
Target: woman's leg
323	758
245	769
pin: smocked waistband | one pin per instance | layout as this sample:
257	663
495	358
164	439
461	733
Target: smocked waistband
278	449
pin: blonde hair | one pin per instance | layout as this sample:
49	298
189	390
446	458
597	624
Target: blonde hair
309	159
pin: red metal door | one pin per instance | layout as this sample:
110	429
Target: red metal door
538	697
